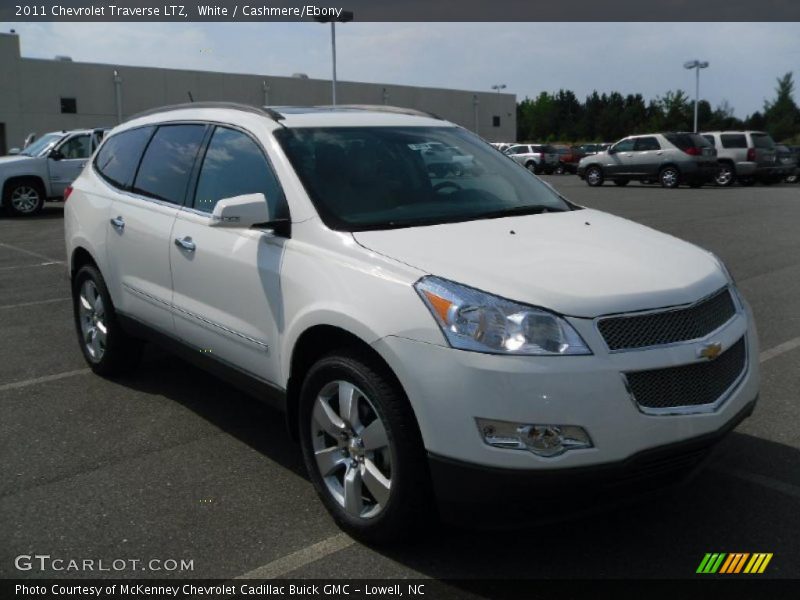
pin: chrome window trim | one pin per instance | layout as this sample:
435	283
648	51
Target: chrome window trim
738	311
696	409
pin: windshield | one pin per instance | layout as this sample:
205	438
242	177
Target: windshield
364	178
43	144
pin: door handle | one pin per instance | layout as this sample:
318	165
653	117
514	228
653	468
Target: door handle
118	223
185	243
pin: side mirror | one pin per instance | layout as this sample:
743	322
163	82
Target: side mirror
55	155
611	150
14	151
241	211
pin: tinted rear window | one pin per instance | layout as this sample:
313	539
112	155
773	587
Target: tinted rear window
118	158
687	140
733	140
762	140
168	161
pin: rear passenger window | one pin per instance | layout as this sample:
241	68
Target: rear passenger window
234	165
646	143
710	139
733	140
168	161
118	158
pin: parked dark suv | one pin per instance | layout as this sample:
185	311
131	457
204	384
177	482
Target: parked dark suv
671	159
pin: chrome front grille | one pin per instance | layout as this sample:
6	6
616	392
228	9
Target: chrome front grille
695	384
669	326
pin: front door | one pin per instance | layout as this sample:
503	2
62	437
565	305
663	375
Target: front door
227	295
620	158
67	160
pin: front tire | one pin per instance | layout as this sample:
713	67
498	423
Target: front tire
106	347
363	449
23	198
533	168
669	177
594	176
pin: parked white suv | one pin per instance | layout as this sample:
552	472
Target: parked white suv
445	339
44	169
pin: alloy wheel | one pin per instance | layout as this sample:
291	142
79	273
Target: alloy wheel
593	176
725	176
352	450
91	313
25	199
669	178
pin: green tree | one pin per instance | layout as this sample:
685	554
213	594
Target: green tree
782	117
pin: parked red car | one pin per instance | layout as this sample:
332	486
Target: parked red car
568	159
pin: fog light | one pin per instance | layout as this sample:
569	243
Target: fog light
542	440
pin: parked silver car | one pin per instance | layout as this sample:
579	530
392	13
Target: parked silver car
745	156
671	159
44	169
537	158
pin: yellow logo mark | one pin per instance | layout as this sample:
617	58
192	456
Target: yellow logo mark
710	351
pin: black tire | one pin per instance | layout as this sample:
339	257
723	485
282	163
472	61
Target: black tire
560	169
410	501
23	197
594	176
621	182
533	167
726	176
669	177
120	352
792	178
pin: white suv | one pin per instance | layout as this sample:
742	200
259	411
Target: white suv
430	339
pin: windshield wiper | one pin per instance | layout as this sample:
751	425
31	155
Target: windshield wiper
518	211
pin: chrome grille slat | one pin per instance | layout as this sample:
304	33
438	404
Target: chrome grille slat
694	384
628	332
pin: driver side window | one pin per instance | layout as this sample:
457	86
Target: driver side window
624	145
78	146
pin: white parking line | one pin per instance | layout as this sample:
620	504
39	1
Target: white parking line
31	253
47	378
779	349
295	560
768	482
35	303
17	267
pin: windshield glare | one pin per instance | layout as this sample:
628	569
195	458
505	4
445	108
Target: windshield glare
363	178
43	144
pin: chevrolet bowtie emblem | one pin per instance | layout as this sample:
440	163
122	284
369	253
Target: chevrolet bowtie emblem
710	351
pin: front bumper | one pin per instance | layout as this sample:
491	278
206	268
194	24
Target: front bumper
448	389
459	484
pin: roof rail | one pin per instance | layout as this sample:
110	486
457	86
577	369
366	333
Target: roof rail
274	115
399	110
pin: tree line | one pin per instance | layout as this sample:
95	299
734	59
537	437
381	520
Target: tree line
560	116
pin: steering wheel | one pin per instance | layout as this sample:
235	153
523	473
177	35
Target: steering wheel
447	184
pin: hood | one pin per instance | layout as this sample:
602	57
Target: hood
13	158
582	263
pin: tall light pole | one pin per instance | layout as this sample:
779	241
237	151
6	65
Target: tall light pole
344	17
696	65
498	87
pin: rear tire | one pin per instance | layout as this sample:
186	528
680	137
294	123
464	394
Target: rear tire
669	177
367	463
726	175
594	176
23	197
106	347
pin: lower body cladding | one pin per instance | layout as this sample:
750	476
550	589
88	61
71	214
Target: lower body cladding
609	439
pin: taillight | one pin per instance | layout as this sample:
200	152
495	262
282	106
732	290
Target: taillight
693	151
67	192
751	154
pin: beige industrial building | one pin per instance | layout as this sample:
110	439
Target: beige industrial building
39	95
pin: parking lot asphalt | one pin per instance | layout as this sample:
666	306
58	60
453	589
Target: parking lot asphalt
170	463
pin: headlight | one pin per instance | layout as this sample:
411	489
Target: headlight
477	321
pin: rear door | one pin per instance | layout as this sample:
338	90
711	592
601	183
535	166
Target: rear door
226	281
67	160
647	156
143	214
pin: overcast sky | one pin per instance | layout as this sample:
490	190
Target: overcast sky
746	58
